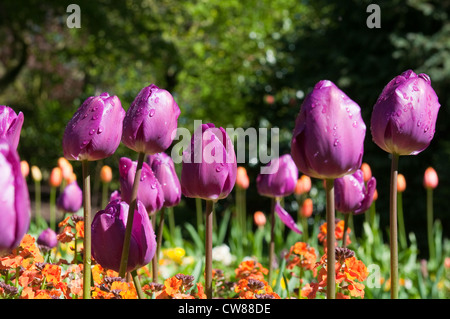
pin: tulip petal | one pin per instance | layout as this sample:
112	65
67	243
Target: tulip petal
286	218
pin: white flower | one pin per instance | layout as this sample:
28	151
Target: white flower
222	254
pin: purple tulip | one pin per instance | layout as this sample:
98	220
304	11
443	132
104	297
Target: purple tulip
95	130
151	121
71	199
150	192
404	117
14	198
286	218
115	195
108	233
47	239
10	125
282	180
164	170
328	139
351	193
209	164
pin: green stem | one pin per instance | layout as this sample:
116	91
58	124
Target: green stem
137	284
198	206
431	248
87	230
171	225
393	227
346	218
132	207
104	194
401	223
272	240
37	200
208	248
331	240
53	208
158	245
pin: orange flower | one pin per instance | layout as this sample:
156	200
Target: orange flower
172	285
259	218
242	180
401	183
56	177
25	168
52	273
301	255
375	195
66	168
367	172
200	291
430	178
79	226
303	185
339	232
66	235
106	174
250	268
307	208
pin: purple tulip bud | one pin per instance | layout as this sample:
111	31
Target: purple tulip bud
282	179
404	117
71	199
351	193
328	139
150	192
151	121
286	218
209	164
47	239
14	198
108	234
10	125
95	130
164	170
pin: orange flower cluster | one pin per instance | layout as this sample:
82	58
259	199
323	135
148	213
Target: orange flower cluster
301	255
176	287
350	272
251	284
339	233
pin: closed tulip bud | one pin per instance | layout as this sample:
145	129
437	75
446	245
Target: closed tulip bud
72	178
307	208
150	192
47	239
25	168
375	195
328	139
106	174
15	208
303	185
211	173
259	218
36	173
242	180
66	168
367	172
151	121
282	180
95	130
71	199
164	170
430	178
404	117
351	193
56	177
108	234
401	183
10	125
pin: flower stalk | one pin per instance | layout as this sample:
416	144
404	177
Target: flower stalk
208	247
331	240
87	230
393	227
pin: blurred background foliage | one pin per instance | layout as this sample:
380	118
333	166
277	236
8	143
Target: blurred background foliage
234	63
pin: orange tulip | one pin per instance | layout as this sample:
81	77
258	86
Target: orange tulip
401	183
106	174
307	208
36	173
25	168
242	179
72	178
430	178
66	168
375	195
367	172
303	185
56	177
259	218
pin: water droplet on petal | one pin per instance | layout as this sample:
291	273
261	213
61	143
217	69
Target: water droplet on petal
151	113
218	168
92	131
336	142
156	99
355	124
100	129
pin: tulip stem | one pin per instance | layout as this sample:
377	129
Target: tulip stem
137	284
393	227
52	207
331	240
431	248
158	245
208	248
344	241
132	207
37	199
87	230
401	223
272	240
105	187
198	206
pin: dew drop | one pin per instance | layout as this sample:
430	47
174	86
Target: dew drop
94	117
336	142
156	99
92	131
100	129
218	168
355	124
151	113
415	88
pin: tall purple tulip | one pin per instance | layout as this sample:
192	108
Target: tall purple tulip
328	139
108	232
403	123
10	125
328	143
404	117
164	170
150	123
209	164
93	133
15	208
71	199
150	192
209	172
95	130
352	195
